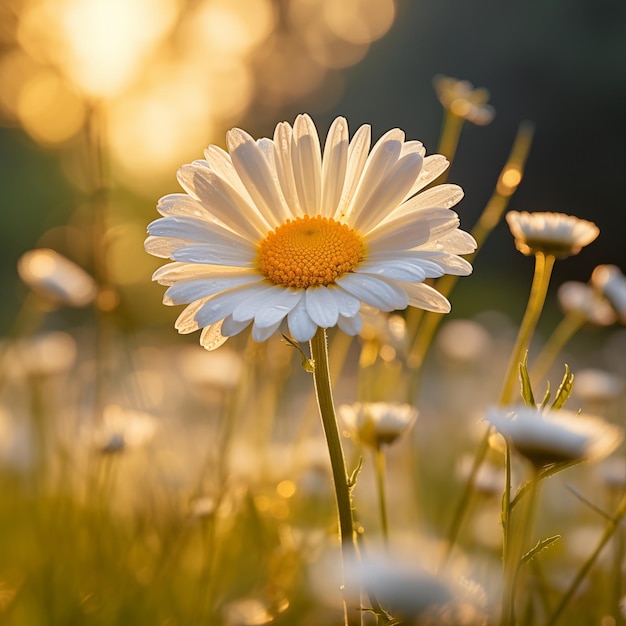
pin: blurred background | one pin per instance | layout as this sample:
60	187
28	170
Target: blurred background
150	83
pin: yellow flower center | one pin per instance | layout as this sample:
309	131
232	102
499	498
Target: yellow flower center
309	251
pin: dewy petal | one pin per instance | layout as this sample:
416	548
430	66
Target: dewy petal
182	204
224	201
425	297
221	305
321	306
406	233
389	193
376	291
397	269
263	333
176	271
449	263
211	337
347	304
357	157
190	290
301	326
163	248
194	229
275	305
434	165
215	254
284	167
413	146
334	166
257	176
442	196
186	321
382	158
456	242
230	328
219	161
306	158
350	325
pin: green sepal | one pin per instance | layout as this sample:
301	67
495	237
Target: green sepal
546	397
307	363
565	389
355	474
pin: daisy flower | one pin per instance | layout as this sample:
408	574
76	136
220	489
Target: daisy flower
610	281
276	230
463	100
555	234
555	436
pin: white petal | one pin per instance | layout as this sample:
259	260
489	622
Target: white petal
223	201
277	302
347	304
449	263
284	167
434	166
194	229
382	157
376	291
230	328
213	254
386	197
220	162
396	269
257	176
301	326
350	325
221	305
425	297
321	306
441	196
182	204
357	157
190	290
186	321
163	247
264	333
406	233
334	166
306	158
212	338
456	242
174	272
413	146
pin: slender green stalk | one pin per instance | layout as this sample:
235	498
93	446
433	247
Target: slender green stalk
381	472
449	139
565	330
538	290
323	390
609	531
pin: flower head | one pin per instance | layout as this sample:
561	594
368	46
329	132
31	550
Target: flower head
611	283
555	436
582	299
461	99
378	423
556	234
277	230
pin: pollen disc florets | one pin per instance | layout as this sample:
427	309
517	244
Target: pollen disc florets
309	251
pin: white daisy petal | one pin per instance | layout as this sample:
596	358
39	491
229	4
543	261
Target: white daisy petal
413	147
220	306
263	333
163	247
220	162
194	229
456	242
190	290
306	158
257	176
376	291
211	337
441	196
347	304
321	306
225	202
214	254
230	327
434	166
284	167
186	321
357	157
398	269
449	263
173	272
425	297
277	302
182	204
334	166
350	325
301	326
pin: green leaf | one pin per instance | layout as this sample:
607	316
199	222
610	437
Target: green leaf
355	473
307	363
565	389
527	392
546	397
541	545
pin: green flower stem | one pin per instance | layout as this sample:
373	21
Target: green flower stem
539	288
566	329
323	390
449	139
610	529
381	472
